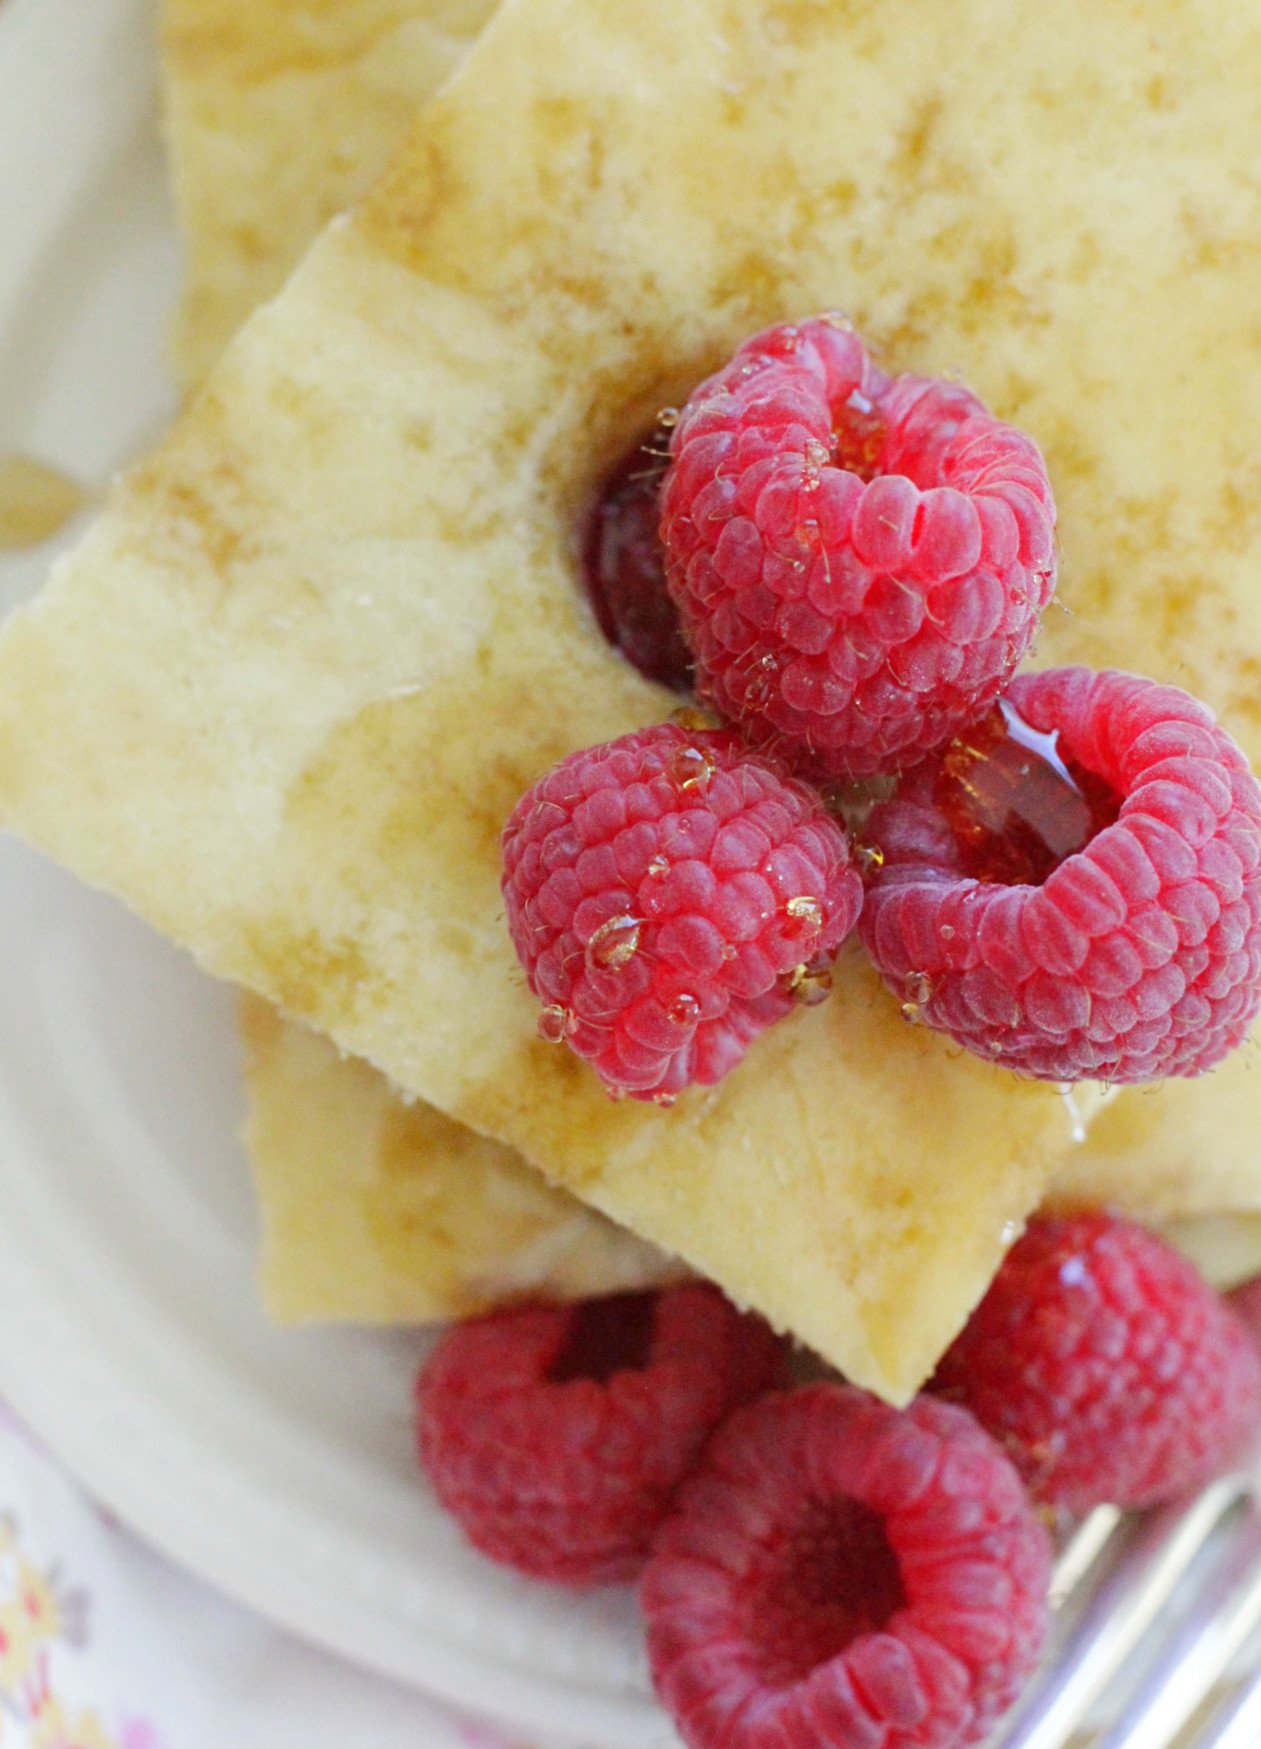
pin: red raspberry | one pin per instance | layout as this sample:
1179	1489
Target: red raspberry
860	563
669	894
557	1434
840	1573
1245	1301
1139	954
1106	1366
625	569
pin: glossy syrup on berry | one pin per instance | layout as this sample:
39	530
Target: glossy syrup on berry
624	571
1016	805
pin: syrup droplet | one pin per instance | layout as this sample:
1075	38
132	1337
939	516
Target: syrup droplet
614	944
1017	806
691	767
553	1023
869	857
36	502
919	988
684	1009
805	916
760	682
624	569
809	984
1076	1117
694	717
858	431
816	457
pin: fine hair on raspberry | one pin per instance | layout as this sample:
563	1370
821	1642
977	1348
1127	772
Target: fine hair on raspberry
860	561
1106	1367
1139	954
670	895
840	1574
556	1435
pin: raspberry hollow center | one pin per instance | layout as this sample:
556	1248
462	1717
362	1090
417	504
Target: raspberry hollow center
837	1579
623	566
1016	805
606	1336
858	434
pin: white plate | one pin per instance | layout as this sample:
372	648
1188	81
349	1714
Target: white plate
276	1465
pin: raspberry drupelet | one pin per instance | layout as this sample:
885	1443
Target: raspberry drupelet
1076	892
557	1434
670	895
860	562
839	1574
1106	1367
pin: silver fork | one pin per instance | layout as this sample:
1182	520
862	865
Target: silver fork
1157	1606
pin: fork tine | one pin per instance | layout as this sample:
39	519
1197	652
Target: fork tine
1236	1724
1225	1614
1155	1555
1083	1549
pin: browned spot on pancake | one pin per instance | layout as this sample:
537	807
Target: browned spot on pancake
802	23
1245	695
913	151
1236	527
302	970
249	242
202	494
405	787
401	211
1212	242
573	164
274	38
750	289
308	414
1065	441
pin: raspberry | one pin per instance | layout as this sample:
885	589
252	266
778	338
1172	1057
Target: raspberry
1106	1366
1139	954
1245	1301
860	562
840	1573
557	1434
625	570
670	895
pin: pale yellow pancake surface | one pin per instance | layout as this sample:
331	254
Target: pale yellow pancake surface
286	693
278	115
389	1213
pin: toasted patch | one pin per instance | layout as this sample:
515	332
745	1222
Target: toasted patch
286	693
279	113
390	1213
